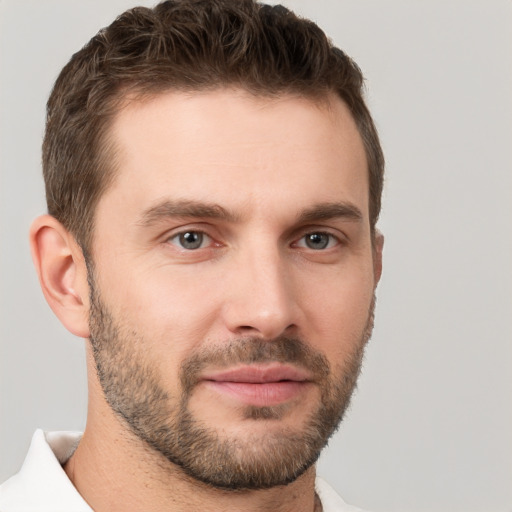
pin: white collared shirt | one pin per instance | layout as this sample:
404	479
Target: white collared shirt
43	486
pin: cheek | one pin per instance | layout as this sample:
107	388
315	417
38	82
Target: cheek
170	313
338	311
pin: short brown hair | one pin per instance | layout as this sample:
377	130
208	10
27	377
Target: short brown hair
185	45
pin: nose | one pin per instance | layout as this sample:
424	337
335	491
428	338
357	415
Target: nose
262	301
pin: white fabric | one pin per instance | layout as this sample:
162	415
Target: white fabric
43	486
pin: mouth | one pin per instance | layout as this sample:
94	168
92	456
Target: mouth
259	385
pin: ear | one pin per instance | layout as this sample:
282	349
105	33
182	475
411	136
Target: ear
378	245
62	273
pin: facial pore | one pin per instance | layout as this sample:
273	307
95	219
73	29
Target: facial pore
165	423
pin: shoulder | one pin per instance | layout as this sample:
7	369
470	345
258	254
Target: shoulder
42	485
331	500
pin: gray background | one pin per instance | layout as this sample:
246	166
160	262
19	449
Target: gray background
430	428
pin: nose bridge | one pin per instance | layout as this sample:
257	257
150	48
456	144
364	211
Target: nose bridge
263	303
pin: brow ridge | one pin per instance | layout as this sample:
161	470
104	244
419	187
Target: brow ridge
185	208
199	209
326	211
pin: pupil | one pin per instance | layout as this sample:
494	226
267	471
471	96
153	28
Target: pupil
317	241
191	240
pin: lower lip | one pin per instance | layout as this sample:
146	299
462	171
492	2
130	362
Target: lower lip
260	394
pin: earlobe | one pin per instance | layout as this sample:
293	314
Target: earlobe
62	273
378	245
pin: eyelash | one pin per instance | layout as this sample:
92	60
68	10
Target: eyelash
332	241
181	234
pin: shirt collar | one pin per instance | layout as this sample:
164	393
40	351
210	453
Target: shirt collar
42	484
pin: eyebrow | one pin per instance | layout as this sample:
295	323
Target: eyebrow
185	208
197	209
326	211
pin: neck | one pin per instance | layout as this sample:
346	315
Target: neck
112	475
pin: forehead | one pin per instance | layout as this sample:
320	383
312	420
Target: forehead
228	146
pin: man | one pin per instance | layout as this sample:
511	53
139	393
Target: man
213	180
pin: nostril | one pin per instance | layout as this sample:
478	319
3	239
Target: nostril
246	328
266	332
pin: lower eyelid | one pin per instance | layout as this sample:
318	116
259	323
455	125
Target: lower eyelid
334	239
174	239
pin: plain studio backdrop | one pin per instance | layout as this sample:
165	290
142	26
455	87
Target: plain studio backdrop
430	427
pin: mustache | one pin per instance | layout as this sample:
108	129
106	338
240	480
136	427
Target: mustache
252	350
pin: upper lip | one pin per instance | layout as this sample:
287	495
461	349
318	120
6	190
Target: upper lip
259	374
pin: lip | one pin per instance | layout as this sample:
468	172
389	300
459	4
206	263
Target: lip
259	374
259	385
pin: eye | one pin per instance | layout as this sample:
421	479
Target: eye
190	240
318	241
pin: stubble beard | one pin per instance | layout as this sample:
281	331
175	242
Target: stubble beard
133	390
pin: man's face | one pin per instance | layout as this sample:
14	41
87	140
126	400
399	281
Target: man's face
233	280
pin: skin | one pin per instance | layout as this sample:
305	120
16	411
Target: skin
267	162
